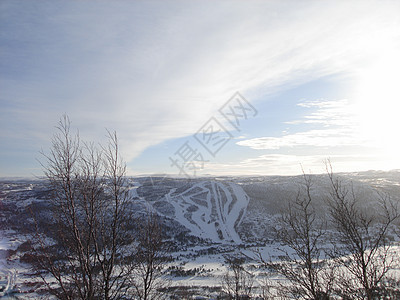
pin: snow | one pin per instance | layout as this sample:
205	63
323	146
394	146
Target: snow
217	210
211	210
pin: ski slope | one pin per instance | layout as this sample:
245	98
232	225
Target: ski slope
210	209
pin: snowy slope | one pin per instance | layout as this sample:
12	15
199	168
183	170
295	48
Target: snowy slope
210	209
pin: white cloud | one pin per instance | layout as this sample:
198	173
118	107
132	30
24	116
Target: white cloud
336	128
158	70
336	133
316	138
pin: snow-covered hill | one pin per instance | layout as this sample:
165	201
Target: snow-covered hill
209	209
203	218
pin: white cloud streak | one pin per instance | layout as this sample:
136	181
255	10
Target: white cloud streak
336	128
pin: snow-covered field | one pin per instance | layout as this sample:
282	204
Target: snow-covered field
207	218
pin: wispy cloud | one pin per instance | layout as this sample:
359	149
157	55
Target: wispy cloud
330	129
336	128
155	71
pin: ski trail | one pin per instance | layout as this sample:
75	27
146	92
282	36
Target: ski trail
210	209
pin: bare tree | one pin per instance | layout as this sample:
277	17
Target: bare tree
303	263
363	250
89	240
267	288
149	259
237	282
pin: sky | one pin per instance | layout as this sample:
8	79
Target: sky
198	88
